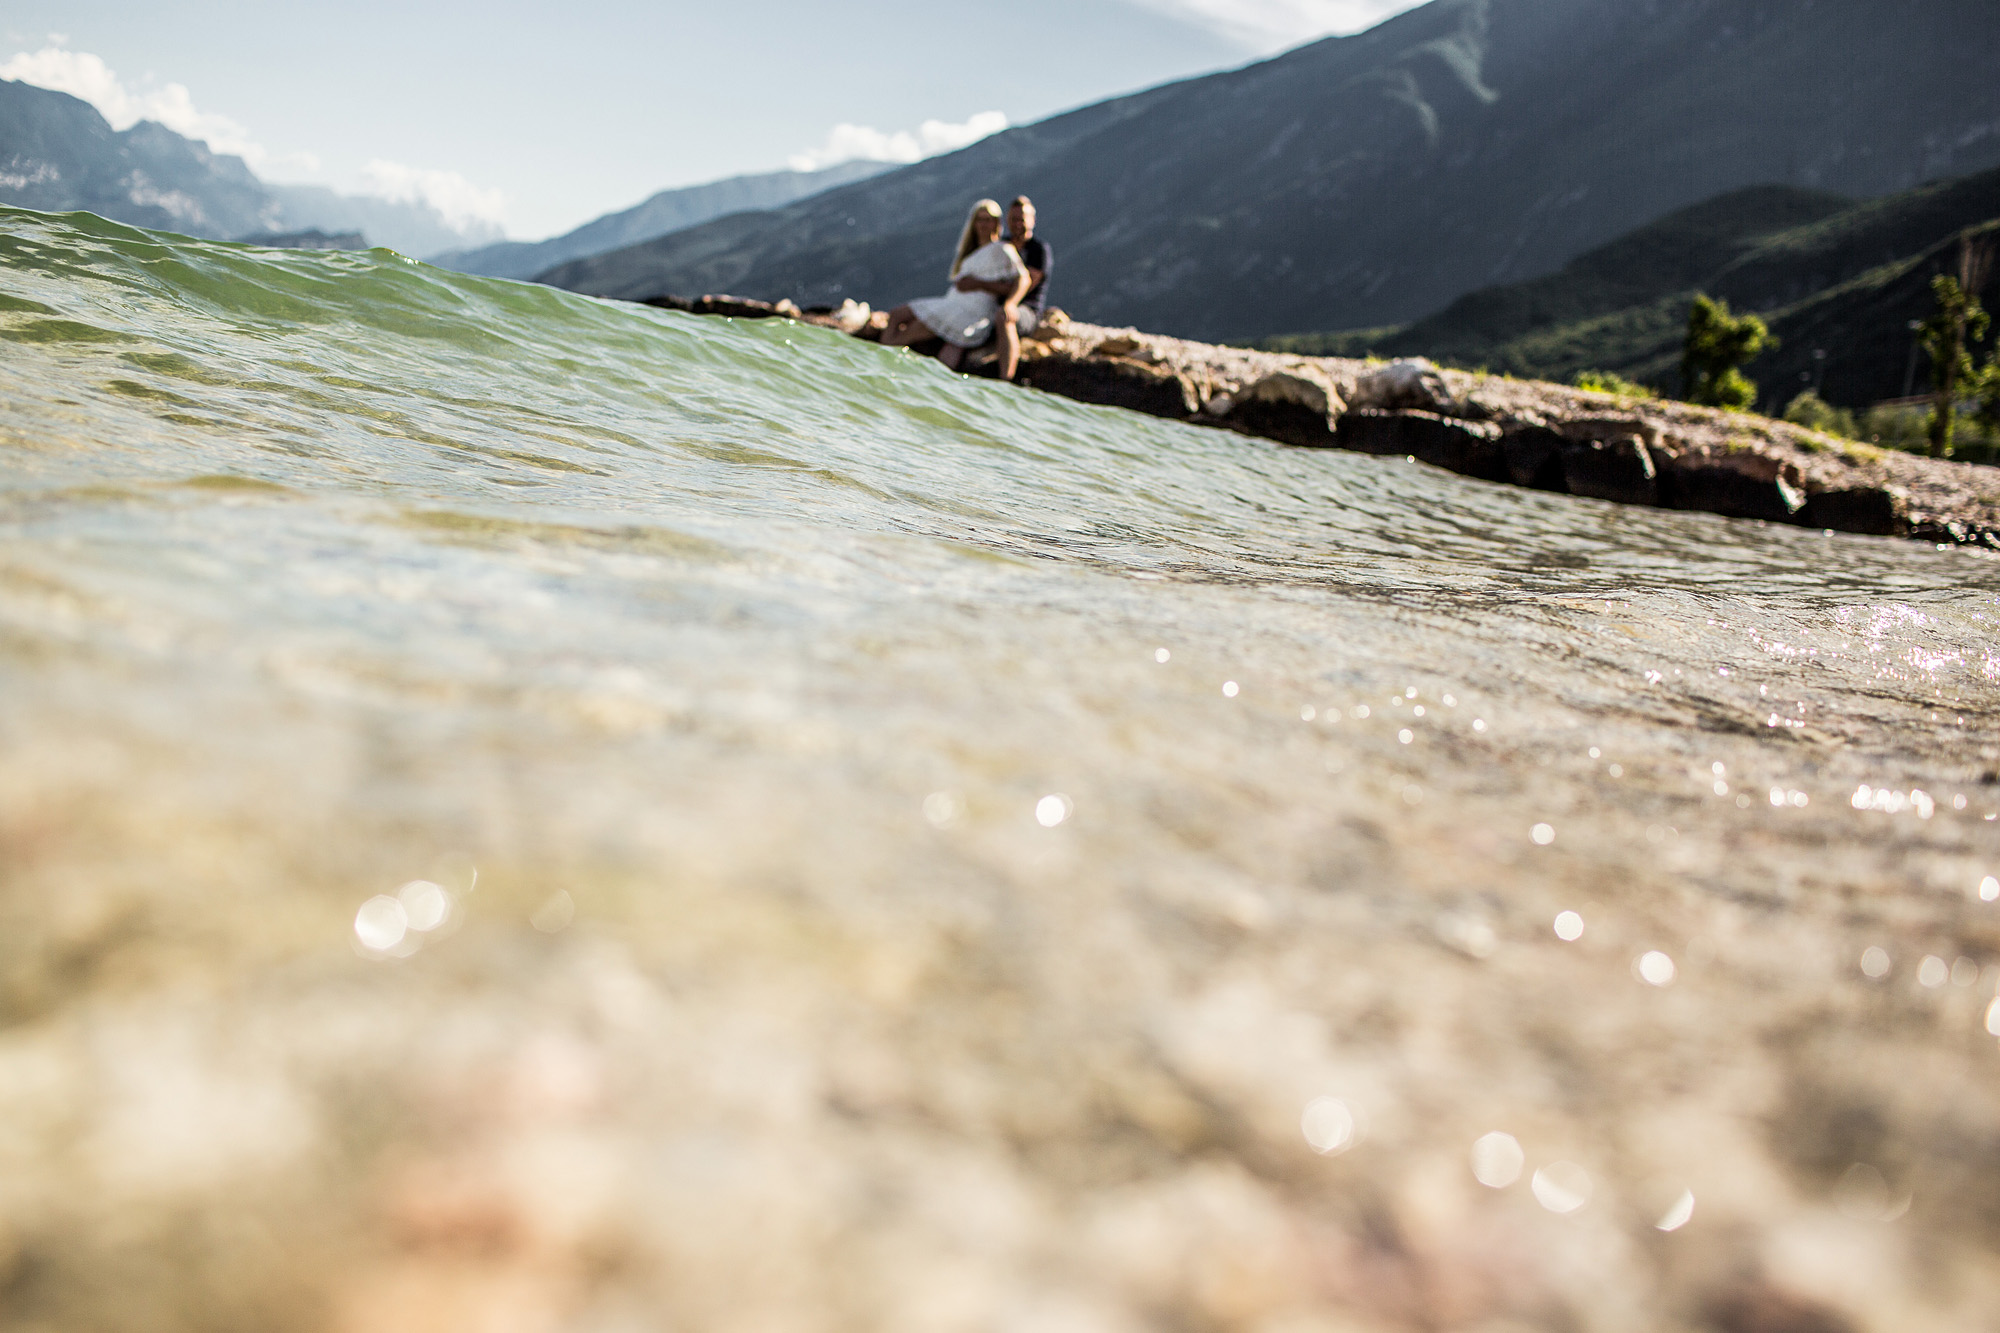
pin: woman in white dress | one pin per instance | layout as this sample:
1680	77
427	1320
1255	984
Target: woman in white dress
968	314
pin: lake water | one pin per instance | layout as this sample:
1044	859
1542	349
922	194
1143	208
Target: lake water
526	813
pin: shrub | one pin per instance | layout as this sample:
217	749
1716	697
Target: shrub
1717	345
1732	390
1604	381
1815	413
1909	429
1905	428
1948	336
1984	393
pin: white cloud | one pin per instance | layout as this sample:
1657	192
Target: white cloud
1264	26
464	206
847	142
81	74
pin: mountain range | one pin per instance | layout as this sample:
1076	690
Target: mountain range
57	153
667	211
1370	180
1466	146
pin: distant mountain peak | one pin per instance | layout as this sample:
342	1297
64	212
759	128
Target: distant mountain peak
658	215
58	153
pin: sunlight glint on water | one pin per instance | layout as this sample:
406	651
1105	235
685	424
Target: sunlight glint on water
905	810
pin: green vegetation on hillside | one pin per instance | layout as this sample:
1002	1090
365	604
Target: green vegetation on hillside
1976	437
1355	343
1604	381
1837	283
1815	413
1984	394
1948	335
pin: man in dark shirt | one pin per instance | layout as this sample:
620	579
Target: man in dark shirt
1035	253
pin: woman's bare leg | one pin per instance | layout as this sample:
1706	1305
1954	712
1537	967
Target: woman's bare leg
905	328
1009	334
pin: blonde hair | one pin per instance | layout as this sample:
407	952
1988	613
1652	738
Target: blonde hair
968	240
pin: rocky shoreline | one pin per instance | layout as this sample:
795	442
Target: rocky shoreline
1549	437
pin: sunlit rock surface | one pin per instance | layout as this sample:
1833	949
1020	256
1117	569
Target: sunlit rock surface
1629	450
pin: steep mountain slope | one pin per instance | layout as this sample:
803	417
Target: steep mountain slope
1671	257
667	211
1370	179
57	153
1863	327
1840	278
850	232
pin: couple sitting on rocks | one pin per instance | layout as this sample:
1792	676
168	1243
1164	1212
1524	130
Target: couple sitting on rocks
998	287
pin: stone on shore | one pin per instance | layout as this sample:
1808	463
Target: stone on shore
1298	406
1607	458
1534	457
1545	436
1413	384
1469	448
1738	483
733	307
1114	382
1877	511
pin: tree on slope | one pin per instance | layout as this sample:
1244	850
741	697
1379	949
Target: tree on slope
1718	346
1948	336
1983	390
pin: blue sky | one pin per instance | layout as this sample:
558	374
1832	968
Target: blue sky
538	117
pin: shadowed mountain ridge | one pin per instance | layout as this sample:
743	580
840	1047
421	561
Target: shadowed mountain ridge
1831	276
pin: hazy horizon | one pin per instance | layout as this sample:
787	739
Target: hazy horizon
627	100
